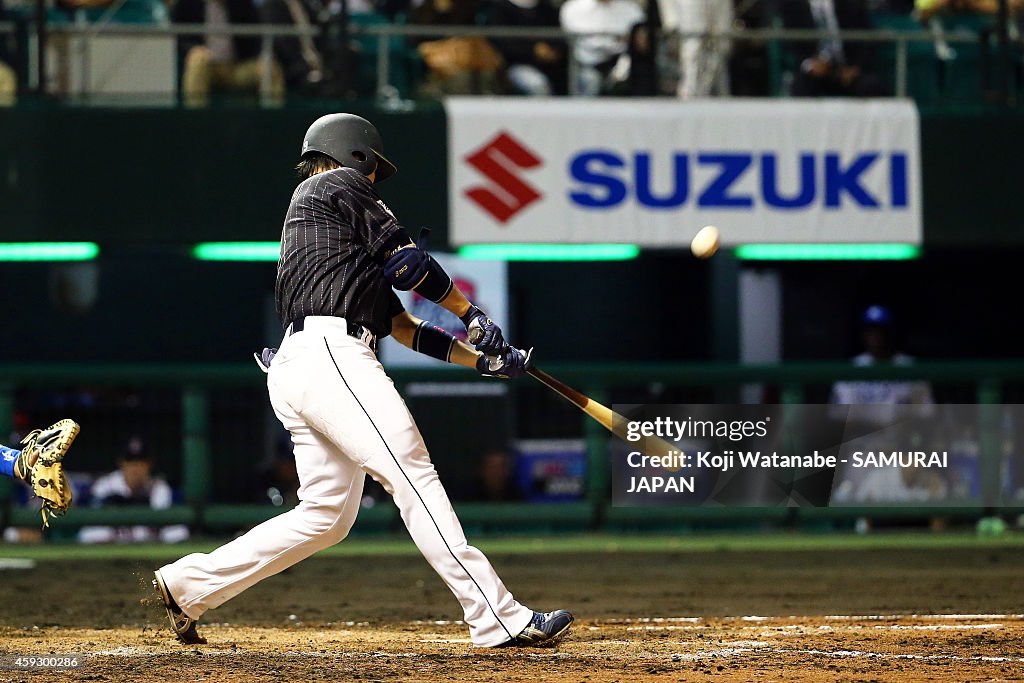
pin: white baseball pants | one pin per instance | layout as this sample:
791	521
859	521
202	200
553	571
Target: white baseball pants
346	419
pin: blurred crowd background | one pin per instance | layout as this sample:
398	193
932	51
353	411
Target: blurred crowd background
202	51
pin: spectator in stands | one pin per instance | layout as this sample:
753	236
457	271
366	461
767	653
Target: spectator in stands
637	74
831	67
220	61
929	12
456	64
880	348
596	55
750	70
8	78
890	6
133	483
394	10
445	13
494	481
301	58
878	403
703	61
927	9
533	67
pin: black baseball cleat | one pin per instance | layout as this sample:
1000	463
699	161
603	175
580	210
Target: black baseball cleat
546	628
184	626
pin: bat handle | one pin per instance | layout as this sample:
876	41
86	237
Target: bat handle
475	332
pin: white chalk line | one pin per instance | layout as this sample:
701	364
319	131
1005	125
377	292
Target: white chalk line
126	652
439	622
751	647
825	628
805	617
16	563
952	617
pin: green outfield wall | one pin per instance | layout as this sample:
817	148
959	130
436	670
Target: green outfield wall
198	458
169	176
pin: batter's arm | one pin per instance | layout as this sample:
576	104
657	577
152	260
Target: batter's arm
423	337
408	267
456	302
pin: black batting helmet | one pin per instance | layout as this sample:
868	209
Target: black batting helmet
350	140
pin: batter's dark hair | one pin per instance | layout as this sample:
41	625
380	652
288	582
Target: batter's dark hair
314	163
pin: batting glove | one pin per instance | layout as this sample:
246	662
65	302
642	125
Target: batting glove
510	364
483	332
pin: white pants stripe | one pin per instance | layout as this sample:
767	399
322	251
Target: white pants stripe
346	418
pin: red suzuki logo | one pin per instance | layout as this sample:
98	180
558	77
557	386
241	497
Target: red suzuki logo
499	160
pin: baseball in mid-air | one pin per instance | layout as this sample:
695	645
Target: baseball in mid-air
705	243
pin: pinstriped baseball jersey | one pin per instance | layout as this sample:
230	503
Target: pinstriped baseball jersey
335	227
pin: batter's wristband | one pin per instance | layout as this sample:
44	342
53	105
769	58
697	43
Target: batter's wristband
431	340
471	313
436	284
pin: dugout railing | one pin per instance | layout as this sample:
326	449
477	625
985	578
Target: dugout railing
989	382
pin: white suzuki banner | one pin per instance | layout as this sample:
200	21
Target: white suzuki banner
653	172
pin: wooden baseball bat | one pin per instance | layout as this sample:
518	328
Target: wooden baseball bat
608	418
604	415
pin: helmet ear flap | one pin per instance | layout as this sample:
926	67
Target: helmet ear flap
362	159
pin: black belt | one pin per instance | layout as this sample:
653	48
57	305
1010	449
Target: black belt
353	330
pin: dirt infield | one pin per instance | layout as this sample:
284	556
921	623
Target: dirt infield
890	648
879	615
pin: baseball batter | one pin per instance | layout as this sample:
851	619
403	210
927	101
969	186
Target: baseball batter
39	464
342	254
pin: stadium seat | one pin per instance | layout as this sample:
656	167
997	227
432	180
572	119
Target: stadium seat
131	12
922	64
398	53
931	80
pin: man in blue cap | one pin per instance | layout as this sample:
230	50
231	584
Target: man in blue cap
879	348
879	400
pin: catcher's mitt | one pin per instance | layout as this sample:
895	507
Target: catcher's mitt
39	466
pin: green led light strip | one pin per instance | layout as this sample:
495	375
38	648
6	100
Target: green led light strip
48	251
827	252
237	251
550	252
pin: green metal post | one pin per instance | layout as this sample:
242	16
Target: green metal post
792	397
792	393
775	57
725	306
725	317
990	435
6	428
597	452
196	447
